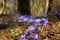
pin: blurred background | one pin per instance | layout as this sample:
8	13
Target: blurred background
28	7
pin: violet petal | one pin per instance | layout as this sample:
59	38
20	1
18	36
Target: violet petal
30	20
25	19
27	33
23	37
32	35
31	28
19	20
37	20
36	36
21	17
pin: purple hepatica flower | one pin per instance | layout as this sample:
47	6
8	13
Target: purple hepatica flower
44	19
37	24
37	20
36	37
31	28
32	35
27	33
22	17
37	30
23	37
20	20
25	19
30	20
45	23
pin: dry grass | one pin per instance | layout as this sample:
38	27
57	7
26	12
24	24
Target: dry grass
49	32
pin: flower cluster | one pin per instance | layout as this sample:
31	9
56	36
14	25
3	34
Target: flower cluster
36	21
30	19
32	35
